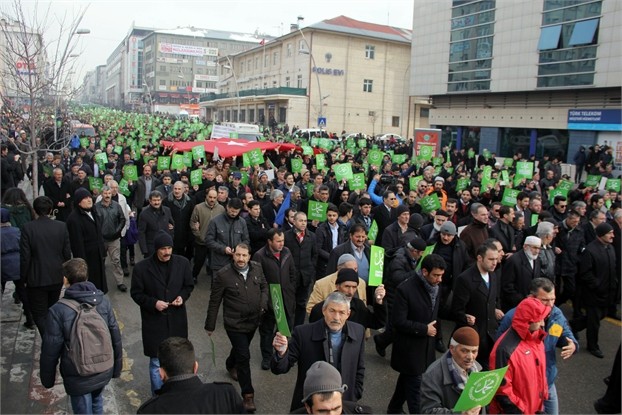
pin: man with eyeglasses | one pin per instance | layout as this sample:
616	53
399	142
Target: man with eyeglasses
559	334
559	209
518	272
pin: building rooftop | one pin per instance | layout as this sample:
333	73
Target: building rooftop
344	24
214	34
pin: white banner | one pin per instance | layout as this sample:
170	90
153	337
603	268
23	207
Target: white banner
187	50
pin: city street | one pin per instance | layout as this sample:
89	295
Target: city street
579	384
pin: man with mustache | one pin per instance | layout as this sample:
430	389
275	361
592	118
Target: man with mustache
161	285
332	338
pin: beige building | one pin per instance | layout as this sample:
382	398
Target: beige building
352	74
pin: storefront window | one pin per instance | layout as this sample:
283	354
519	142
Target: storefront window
550	142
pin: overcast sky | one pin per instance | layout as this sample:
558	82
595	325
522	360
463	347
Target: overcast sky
109	21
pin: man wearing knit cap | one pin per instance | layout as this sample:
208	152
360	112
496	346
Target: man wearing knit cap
85	236
323	393
161	285
518	272
597	284
324	286
347	283
393	236
430	230
437	188
524	387
445	379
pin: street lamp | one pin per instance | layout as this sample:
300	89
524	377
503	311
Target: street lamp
149	96
237	87
317	77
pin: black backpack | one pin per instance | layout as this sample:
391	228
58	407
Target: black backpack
89	346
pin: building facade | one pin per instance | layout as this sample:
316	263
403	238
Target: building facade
180	64
535	77
340	74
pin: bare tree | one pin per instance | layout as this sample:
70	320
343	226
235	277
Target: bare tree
37	59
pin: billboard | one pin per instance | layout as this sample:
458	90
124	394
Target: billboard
187	50
427	137
595	119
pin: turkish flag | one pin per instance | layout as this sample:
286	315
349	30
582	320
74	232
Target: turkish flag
229	147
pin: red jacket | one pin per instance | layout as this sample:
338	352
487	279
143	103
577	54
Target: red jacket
524	387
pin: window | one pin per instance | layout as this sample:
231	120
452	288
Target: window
287	81
265	85
242	115
273	84
256	63
299	81
395	121
584	32
370	52
275	58
368	85
162	82
289	50
248	65
549	37
302	45
162	68
266	61
424	112
251	115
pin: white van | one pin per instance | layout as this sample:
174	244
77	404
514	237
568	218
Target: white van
244	131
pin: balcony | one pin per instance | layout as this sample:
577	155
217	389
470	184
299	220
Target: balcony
255	93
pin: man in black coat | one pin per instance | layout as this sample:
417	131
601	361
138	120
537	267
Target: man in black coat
85	235
384	214
332	339
413	318
357	246
181	206
153	219
278	266
504	232
257	226
302	244
143	188
161	285
328	236
518	272
183	391
44	246
598	283
59	191
476	299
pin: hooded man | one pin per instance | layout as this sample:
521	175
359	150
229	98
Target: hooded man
524	387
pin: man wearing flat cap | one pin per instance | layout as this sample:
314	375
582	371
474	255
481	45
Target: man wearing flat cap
161	285
597	283
444	381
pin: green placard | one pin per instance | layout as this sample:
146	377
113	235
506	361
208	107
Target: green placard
198	152
471	154
320	161
317	210
246	160
357	181
84	142
565	184
505	176
508	162
362	143
486	154
279	309
462	184
399	158
124	187
373	231
187	159
101	158
244	179
509	196
426	152
309	190
557	192
255	156
437	161
480	389
130	172
487	172
488	183
427	251
351	144
613	184
177	162
343	171
296	165
413	182
118	149
307	150
592	180
534	219
524	169
164	163
374	157
430	203
376	266
96	183
196	177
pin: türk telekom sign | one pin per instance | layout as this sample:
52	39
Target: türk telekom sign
187	50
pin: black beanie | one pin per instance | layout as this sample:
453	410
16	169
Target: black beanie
162	240
347	274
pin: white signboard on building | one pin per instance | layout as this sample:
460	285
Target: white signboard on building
188	50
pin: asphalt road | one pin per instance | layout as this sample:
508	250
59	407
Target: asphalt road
579	383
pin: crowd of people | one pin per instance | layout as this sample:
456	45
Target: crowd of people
491	248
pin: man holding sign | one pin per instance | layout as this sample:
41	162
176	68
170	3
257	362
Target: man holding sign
446	378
